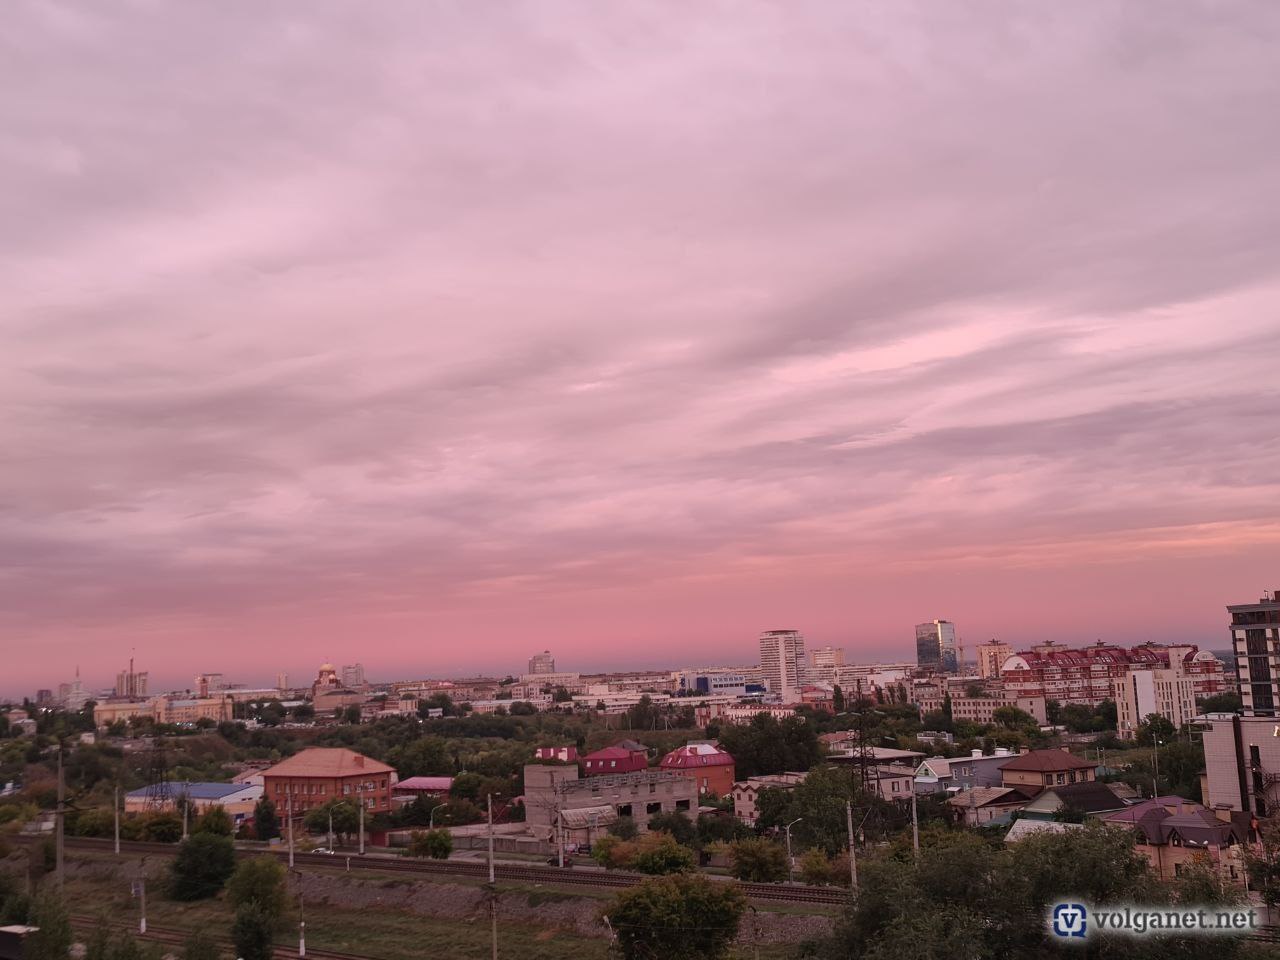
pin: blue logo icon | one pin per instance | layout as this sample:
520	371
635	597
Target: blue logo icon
1069	920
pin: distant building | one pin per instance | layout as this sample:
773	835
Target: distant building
782	663
714	683
1255	640
1084	675
282	682
542	662
326	680
130	684
1242	763
991	658
317	775
703	762
824	661
1168	692
353	676
936	646
625	756
44	698
207	683
982	710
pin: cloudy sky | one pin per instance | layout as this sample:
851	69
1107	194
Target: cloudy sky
434	334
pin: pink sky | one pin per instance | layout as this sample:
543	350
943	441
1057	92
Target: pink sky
437	334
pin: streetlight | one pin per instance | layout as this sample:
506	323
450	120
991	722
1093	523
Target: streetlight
1156	779
791	861
431	822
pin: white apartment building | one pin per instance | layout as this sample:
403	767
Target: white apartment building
353	676
1140	693
782	663
542	662
824	662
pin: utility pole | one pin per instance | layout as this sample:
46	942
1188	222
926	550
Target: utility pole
140	891
853	853
290	814
360	802
302	917
60	818
491	838
116	811
1155	782
331	828
915	824
186	807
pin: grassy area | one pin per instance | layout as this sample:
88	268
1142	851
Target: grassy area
375	932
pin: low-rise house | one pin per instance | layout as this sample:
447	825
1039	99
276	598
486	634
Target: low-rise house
1089	799
625	756
747	792
412	788
983	805
703	762
237	799
1023	828
1172	833
1046	768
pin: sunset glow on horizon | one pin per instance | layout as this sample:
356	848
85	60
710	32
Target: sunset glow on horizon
435	340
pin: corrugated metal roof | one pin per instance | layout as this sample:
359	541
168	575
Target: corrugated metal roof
327	762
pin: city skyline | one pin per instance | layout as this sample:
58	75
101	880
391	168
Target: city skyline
441	339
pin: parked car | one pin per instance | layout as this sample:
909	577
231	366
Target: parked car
554	861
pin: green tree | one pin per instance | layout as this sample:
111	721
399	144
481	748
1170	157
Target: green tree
52	941
345	818
162	828
436	844
215	820
1155	727
251	932
767	745
261	882
837	699
816	868
1221	703
266	825
204	863
624	828
758	860
678	825
678	917
659	853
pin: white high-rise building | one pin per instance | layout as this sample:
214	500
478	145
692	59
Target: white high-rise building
353	676
782	663
542	662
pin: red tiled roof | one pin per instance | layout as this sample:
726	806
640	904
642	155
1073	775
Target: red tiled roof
696	755
327	762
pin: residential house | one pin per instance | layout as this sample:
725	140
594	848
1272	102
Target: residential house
747	792
982	805
703	762
1172	833
1084	799
625	756
1046	768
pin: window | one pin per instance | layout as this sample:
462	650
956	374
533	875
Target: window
1062	778
624	809
653	788
682	804
653	808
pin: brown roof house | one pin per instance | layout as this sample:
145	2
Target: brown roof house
1040	769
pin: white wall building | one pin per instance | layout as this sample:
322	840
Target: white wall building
782	663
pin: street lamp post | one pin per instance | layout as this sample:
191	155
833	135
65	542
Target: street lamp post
1156	779
431	823
791	861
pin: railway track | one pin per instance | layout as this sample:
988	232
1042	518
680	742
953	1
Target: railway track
172	936
502	871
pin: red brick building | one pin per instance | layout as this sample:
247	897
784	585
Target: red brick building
317	775
1083	675
625	756
704	763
